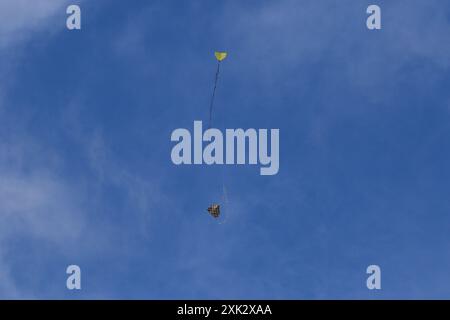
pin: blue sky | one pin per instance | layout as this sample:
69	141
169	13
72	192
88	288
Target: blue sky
86	176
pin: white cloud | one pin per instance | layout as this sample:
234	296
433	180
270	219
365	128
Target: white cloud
38	204
20	19
8	287
278	36
35	201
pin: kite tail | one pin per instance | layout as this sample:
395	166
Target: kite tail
213	95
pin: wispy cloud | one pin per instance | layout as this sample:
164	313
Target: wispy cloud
20	19
36	201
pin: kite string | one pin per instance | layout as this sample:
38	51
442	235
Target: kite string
213	94
225	204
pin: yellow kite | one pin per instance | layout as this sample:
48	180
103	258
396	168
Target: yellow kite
220	55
